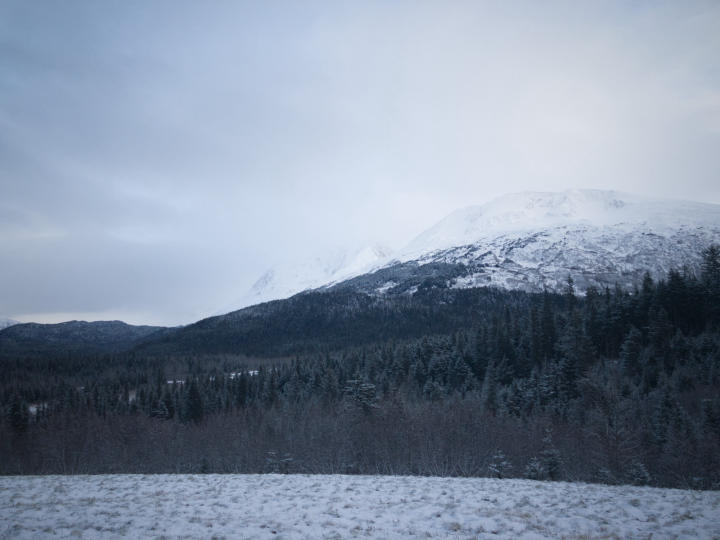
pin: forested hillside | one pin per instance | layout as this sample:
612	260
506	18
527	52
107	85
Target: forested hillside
23	340
619	386
321	321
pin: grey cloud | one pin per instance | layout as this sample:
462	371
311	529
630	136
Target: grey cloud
157	157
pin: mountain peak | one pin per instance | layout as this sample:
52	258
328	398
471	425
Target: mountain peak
533	211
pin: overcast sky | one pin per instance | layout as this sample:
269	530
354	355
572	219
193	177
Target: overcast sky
157	157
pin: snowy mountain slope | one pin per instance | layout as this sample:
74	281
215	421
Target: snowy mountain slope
521	213
291	278
533	240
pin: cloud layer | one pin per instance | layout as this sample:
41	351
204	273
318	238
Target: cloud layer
156	158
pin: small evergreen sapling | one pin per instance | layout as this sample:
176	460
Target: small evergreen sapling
499	466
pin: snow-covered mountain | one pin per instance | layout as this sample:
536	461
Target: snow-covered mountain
534	240
527	241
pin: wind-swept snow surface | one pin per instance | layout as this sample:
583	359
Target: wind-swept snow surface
298	506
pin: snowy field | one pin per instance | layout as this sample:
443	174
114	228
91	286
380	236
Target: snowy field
298	506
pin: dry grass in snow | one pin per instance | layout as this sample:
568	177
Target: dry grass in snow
301	506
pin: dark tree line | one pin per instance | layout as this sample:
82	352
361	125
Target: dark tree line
615	386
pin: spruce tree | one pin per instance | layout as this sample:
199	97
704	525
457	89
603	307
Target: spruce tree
193	410
18	415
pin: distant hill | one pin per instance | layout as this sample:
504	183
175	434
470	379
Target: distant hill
4	323
33	339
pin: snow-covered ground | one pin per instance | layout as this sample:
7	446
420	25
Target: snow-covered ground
301	506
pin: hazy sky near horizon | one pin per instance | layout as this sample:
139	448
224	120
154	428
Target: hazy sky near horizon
156	157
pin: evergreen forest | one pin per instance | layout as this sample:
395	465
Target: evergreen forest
613	386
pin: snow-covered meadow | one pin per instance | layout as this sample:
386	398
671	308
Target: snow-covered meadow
302	506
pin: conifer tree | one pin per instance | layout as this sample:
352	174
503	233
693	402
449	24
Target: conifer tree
193	410
18	415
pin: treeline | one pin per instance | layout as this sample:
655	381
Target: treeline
616	386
